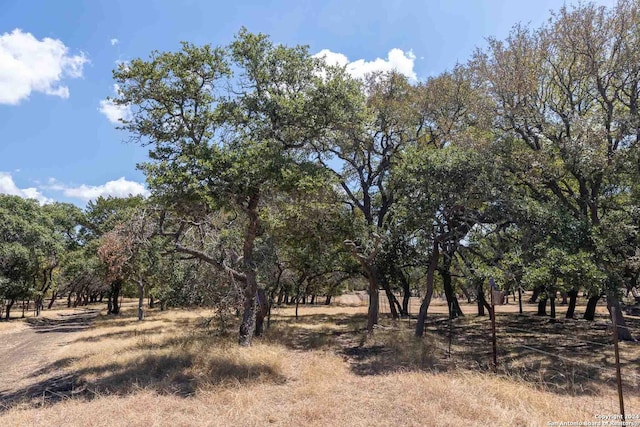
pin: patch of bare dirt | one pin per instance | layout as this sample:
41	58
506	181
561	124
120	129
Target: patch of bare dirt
30	355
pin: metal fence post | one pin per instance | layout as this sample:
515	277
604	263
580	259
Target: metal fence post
617	357
493	330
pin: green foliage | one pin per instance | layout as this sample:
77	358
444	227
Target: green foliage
565	99
102	215
521	165
553	268
33	239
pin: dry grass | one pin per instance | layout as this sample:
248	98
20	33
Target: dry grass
12	326
318	370
322	392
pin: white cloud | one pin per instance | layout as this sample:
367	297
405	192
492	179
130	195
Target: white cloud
114	42
121	187
31	65
115	113
8	186
397	60
53	185
332	58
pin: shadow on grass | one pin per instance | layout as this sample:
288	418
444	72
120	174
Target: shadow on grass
391	348
56	366
177	372
563	356
64	323
120	334
312	331
130	317
54	389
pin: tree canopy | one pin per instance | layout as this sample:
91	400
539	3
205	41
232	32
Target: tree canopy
275	175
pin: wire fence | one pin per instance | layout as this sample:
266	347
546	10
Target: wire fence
563	356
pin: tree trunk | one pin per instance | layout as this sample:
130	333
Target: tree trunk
263	309
573	296
374	302
520	299
46	283
481	301
248	325
624	333
272	298
542	306
394	305
78	300
564	296
590	311
452	300
534	295
53	299
8	309
406	294
140	300
553	304
424	306
298	286
152	302
327	301
371	271
116	287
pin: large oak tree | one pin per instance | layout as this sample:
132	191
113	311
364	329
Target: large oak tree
226	127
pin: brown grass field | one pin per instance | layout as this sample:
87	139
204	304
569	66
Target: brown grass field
319	370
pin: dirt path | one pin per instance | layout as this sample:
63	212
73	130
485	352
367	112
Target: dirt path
30	355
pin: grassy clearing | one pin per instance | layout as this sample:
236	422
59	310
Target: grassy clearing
320	369
12	326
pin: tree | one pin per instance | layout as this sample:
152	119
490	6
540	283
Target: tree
226	127
566	102
308	227
102	216
446	195
117	251
82	276
25	243
63	221
367	153
443	181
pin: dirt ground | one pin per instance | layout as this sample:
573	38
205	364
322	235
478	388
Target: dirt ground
29	348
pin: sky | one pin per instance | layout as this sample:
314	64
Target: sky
58	136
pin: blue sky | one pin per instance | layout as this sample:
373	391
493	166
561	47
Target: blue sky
56	60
